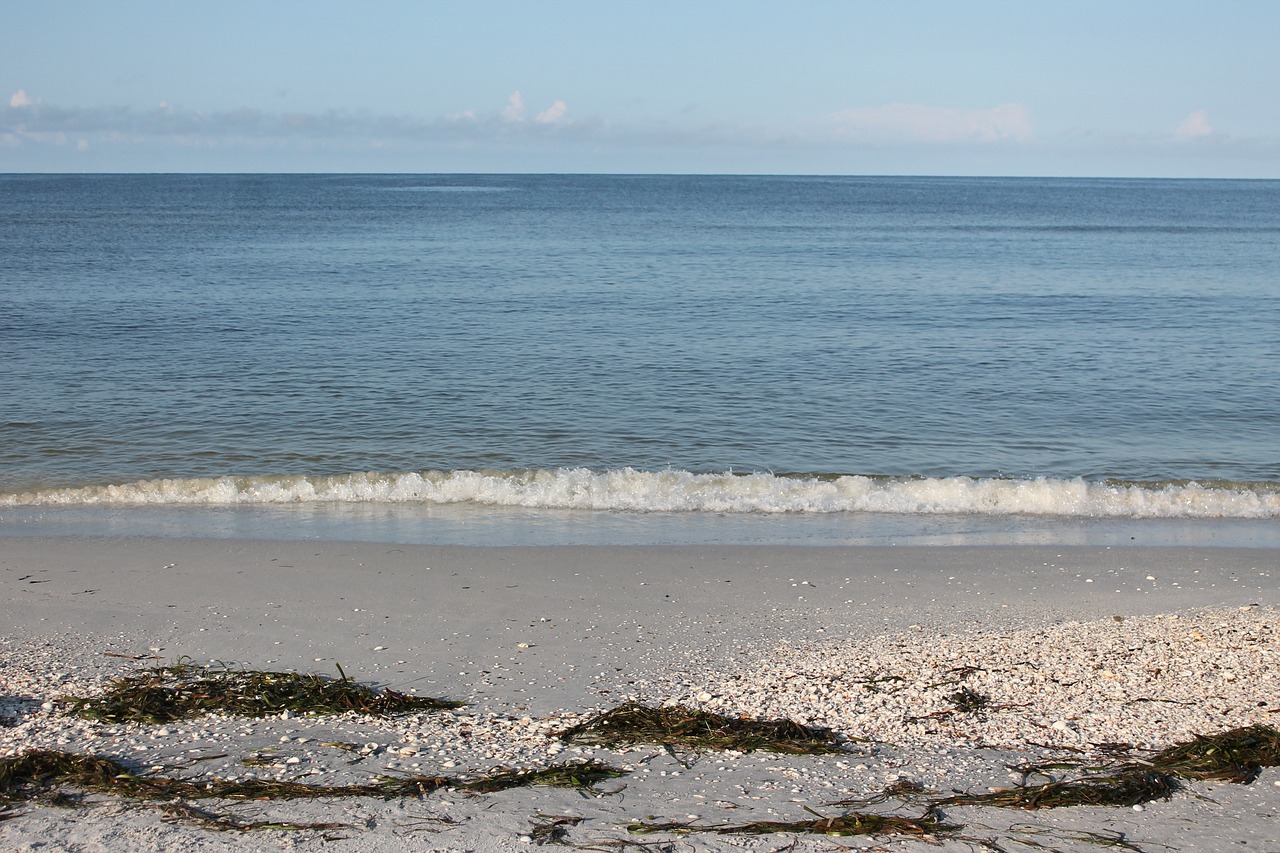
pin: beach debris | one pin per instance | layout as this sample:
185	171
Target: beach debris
1236	756
1233	756
577	775
906	790
168	693
38	773
967	701
553	829
673	726
1126	788
851	823
180	812
44	776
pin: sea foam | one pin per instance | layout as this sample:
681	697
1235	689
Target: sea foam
627	489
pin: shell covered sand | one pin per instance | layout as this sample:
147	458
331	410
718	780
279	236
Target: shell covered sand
945	709
1143	681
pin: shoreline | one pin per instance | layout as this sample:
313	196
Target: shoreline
472	525
533	637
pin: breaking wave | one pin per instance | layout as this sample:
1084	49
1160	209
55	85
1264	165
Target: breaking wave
627	489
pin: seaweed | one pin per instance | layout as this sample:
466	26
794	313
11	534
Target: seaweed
168	693
1237	755
905	790
967	700
218	822
42	772
580	775
851	823
553	829
633	723
1130	787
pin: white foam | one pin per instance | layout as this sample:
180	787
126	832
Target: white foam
683	491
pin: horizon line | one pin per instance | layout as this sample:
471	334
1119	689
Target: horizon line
371	173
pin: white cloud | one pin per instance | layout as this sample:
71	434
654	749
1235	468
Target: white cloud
1194	125
514	110
922	123
553	114
19	99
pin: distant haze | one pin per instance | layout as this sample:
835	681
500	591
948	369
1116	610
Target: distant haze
1144	88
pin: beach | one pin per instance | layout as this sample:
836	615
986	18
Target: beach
968	483
1069	649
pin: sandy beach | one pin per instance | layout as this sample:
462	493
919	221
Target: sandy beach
1071	648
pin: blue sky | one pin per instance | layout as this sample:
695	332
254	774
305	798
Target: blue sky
1072	87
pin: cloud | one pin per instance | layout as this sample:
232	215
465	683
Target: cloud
514	110
1194	126
921	123
553	114
901	138
28	120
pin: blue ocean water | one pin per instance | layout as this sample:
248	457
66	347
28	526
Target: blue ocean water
586	352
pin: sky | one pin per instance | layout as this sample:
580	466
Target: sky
1117	88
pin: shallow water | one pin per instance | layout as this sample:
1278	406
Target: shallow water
914	346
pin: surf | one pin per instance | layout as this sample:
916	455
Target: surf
632	490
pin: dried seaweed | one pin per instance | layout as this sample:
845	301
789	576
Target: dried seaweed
40	772
168	693
1128	788
1233	756
553	829
967	700
905	790
851	823
219	822
676	726
580	775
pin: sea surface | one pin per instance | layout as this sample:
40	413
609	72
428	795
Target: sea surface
557	358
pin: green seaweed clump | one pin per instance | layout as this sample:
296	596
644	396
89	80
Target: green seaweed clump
580	776
1129	787
634	723
168	693
1233	756
1236	756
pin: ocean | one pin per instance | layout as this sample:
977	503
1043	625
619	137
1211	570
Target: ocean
640	359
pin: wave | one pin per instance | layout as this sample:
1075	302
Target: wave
627	489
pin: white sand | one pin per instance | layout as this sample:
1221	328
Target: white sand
537	638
